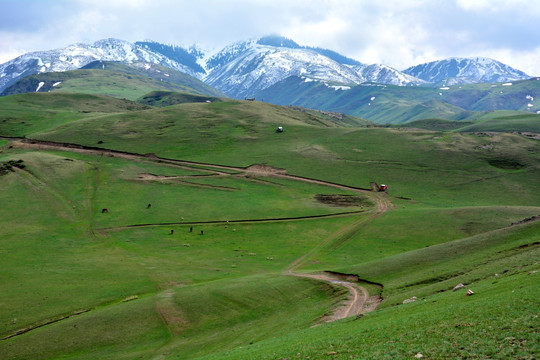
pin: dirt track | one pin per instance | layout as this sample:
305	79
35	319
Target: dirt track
359	300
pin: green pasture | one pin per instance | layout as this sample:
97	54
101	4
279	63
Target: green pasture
410	162
139	282
61	250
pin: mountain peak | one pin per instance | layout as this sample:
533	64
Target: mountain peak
278	41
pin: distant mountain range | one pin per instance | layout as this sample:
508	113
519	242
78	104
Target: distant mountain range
246	68
455	71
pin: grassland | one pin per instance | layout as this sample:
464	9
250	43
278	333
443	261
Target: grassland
79	283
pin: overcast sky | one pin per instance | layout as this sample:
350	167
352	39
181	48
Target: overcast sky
397	33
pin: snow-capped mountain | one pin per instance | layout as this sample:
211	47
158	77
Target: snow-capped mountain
244	68
465	71
383	74
78	55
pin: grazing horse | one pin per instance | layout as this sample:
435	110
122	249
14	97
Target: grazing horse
104	210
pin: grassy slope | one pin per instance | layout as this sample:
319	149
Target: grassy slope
28	113
448	181
497	121
496	323
396	104
249	308
168	98
114	79
243	133
60	197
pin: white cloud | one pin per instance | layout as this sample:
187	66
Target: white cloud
398	33
524	60
501	6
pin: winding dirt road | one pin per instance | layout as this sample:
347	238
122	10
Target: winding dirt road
358	297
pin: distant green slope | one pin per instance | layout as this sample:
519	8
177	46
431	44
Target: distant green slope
499	121
129	81
400	104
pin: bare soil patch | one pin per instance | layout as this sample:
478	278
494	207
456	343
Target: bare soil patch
178	179
341	200
264	170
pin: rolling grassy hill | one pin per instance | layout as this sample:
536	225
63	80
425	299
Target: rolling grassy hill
202	272
28	113
129	81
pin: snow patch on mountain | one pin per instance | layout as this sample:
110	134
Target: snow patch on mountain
338	87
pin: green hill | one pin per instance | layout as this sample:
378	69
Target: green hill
400	104
496	121
28	113
138	232
129	81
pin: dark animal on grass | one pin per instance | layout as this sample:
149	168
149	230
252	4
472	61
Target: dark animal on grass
172	232
149	206
104	210
202	232
191	229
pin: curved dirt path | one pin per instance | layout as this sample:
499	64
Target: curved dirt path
355	305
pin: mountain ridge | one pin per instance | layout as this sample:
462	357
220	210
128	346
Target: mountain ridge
459	70
246	67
